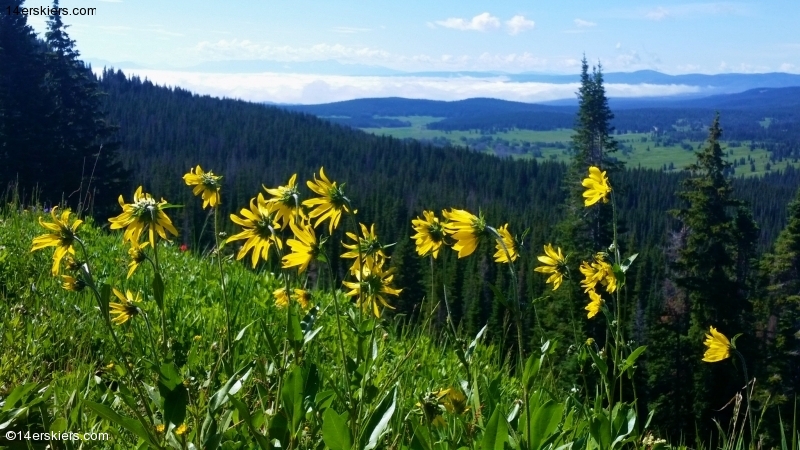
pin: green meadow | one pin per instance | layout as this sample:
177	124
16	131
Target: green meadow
636	149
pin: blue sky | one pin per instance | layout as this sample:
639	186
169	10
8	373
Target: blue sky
166	41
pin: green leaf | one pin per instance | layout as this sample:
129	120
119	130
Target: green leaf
169	375
335	432
532	366
379	421
240	334
602	367
273	348
158	290
600	429
496	433
105	297
631	359
292	397
474	343
244	414
221	396
307	324
627	263
294	332
545	421
127	423
422	437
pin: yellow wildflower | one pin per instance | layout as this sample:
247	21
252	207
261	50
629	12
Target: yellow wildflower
371	287
136	255
126	310
595	304
506	247
555	265
331	202
206	184
143	214
430	234
465	228
597	187
369	247
718	347
260	230
305	247
286	200
62	237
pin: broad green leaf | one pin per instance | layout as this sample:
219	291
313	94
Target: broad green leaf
127	423
422	437
631	359
294	331
335	432
169	375
292	397
158	290
221	396
600	429
496	433
544	423
244	414
601	365
379	420
628	261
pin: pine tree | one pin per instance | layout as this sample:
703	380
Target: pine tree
83	162
778	317
23	103
707	270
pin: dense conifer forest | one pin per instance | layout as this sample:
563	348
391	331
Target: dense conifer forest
69	136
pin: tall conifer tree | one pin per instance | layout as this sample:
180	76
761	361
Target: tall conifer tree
83	158
707	268
23	102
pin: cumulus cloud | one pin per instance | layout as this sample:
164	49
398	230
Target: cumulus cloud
481	22
580	23
518	24
309	89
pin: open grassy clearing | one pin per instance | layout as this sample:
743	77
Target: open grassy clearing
640	149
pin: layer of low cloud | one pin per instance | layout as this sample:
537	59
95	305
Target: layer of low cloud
580	23
310	89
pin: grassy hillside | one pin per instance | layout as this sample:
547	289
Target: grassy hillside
207	357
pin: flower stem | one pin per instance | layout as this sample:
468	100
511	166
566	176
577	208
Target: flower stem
228	324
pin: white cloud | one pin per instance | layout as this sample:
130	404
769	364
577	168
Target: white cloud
518	24
742	68
481	22
349	30
791	68
659	13
580	23
304	88
692	10
235	49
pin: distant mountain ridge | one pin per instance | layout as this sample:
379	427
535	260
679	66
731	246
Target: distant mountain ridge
763	99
